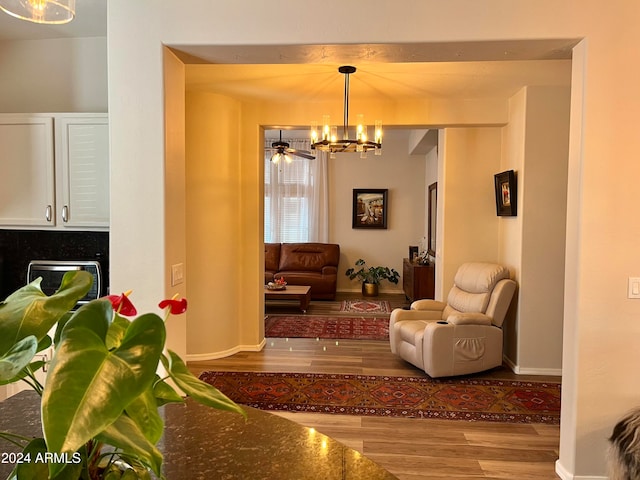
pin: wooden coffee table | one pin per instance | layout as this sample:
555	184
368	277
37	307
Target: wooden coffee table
300	293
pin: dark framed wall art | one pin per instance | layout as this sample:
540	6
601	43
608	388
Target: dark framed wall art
506	194
432	219
370	207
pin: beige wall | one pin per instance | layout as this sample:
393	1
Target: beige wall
54	75
602	235
470	228
175	198
213	212
403	175
532	244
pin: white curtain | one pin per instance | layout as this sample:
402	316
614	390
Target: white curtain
296	197
319	208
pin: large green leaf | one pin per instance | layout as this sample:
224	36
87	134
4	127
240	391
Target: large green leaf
117	331
18	357
125	435
144	412
165	393
32	367
197	389
29	311
88	386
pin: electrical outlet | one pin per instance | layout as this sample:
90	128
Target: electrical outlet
177	274
634	287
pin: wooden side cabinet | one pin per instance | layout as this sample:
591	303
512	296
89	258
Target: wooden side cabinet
418	281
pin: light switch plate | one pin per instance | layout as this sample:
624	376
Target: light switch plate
634	287
177	274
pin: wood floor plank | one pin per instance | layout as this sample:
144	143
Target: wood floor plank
411	449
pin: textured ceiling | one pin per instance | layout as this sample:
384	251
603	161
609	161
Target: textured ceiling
441	80
468	70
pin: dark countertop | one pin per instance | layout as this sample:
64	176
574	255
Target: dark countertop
203	443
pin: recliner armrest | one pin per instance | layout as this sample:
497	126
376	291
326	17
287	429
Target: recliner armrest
400	314
471	318
428	304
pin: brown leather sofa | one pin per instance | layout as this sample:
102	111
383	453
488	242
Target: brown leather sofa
313	264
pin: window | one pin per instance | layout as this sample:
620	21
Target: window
288	196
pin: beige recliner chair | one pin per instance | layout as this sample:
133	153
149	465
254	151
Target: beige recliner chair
463	335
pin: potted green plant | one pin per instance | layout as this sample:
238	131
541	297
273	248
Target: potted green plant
99	404
371	277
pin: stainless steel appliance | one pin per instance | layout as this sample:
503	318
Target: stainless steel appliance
52	272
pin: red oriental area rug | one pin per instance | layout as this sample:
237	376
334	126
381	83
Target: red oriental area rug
365	306
413	397
307	326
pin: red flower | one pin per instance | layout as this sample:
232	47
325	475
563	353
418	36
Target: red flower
176	306
122	305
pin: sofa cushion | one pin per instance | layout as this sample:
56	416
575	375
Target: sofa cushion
309	257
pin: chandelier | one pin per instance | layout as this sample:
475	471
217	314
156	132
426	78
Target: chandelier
41	11
327	139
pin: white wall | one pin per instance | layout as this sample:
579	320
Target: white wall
603	172
403	175
55	75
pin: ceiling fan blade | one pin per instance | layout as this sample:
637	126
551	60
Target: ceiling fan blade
301	153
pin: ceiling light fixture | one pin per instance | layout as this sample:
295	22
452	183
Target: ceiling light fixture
327	140
282	151
41	11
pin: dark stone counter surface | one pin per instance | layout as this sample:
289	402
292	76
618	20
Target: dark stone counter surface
203	443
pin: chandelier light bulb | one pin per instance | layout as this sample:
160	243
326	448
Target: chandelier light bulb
314	132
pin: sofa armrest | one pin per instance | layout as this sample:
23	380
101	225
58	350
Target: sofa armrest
329	270
471	318
427	304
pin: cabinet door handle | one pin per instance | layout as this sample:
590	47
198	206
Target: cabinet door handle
65	214
47	213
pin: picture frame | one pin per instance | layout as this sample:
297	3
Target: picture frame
506	194
413	252
370	207
432	218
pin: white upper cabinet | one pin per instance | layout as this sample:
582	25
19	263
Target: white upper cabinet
55	171
27	194
83	171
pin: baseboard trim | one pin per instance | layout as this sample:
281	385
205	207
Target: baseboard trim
564	474
199	357
382	291
532	371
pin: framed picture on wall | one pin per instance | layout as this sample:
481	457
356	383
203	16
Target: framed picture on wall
506	194
369	208
432	218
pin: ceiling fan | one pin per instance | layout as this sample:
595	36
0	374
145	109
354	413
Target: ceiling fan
282	150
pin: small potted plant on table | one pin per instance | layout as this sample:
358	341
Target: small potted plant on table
371	277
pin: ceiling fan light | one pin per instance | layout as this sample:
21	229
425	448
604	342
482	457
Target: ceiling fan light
276	157
41	11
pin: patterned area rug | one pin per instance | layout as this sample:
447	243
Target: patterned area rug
365	306
415	397
307	326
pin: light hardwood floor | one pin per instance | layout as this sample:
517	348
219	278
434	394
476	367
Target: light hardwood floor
411	449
